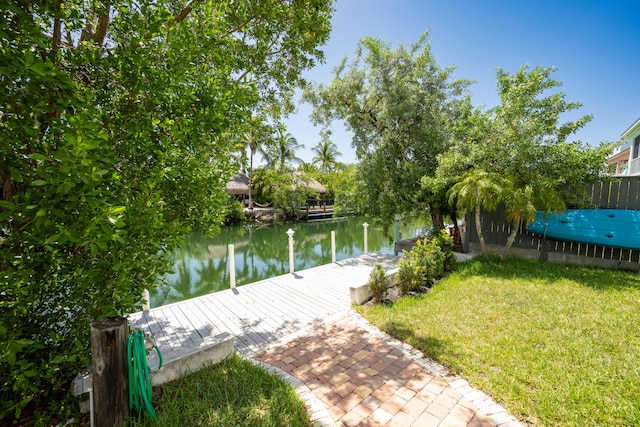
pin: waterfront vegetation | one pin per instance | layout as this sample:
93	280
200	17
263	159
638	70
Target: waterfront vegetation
118	142
234	392
554	344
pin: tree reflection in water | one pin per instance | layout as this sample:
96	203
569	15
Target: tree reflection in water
201	264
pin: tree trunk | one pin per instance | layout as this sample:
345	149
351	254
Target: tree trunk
457	240
515	225
483	246
110	371
437	220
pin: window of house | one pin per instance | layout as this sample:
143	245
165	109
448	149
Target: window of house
636	147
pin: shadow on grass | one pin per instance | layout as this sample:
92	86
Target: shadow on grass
517	268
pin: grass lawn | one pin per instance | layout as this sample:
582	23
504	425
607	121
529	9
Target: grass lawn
234	392
556	345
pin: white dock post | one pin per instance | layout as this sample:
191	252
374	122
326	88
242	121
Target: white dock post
366	243
146	304
232	267
290	233
396	233
333	247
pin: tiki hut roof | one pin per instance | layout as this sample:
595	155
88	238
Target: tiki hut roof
311	183
239	184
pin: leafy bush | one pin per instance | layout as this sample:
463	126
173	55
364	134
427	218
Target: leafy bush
409	276
235	212
285	190
426	261
113	148
378	283
444	241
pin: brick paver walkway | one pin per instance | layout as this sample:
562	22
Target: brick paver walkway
364	377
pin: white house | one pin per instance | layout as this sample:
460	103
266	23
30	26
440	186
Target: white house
627	157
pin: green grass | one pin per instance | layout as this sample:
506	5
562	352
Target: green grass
234	392
556	345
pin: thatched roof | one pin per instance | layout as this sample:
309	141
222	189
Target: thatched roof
310	182
239	184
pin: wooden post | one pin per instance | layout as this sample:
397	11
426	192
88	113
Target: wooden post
290	233
146	304
232	267
333	247
110	371
366	243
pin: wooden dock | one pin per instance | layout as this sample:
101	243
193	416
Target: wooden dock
262	313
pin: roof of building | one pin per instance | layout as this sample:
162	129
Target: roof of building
631	129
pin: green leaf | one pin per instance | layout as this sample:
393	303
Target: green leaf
38	156
7	205
39	182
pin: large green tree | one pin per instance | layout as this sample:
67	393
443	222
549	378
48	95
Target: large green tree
525	142
399	104
113	124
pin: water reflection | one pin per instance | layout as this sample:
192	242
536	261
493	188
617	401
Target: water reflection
201	267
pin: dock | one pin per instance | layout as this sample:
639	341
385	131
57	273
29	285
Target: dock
260	314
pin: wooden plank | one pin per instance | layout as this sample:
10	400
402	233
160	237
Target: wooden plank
173	330
595	193
292	313
242	319
190	318
223	324
623	196
605	194
166	337
268	311
614	195
200	320
234	320
633	199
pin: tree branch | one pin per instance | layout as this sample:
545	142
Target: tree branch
182	15
57	33
103	23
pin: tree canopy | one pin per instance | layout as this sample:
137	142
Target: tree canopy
399	104
522	147
113	140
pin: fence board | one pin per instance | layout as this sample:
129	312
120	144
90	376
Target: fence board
614	194
604	194
596	189
622	194
633	199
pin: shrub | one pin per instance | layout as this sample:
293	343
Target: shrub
409	275
378	283
426	261
444	241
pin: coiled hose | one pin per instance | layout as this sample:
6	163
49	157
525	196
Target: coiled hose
140	390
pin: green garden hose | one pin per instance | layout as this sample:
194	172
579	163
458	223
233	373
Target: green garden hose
140	390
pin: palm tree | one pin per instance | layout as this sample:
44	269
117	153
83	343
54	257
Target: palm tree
478	189
522	203
326	153
256	139
282	150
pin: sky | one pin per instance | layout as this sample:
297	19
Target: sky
594	45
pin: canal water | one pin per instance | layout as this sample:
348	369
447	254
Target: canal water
201	264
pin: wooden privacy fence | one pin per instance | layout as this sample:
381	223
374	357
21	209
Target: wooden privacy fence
624	193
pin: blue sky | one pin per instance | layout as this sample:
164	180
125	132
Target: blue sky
595	46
